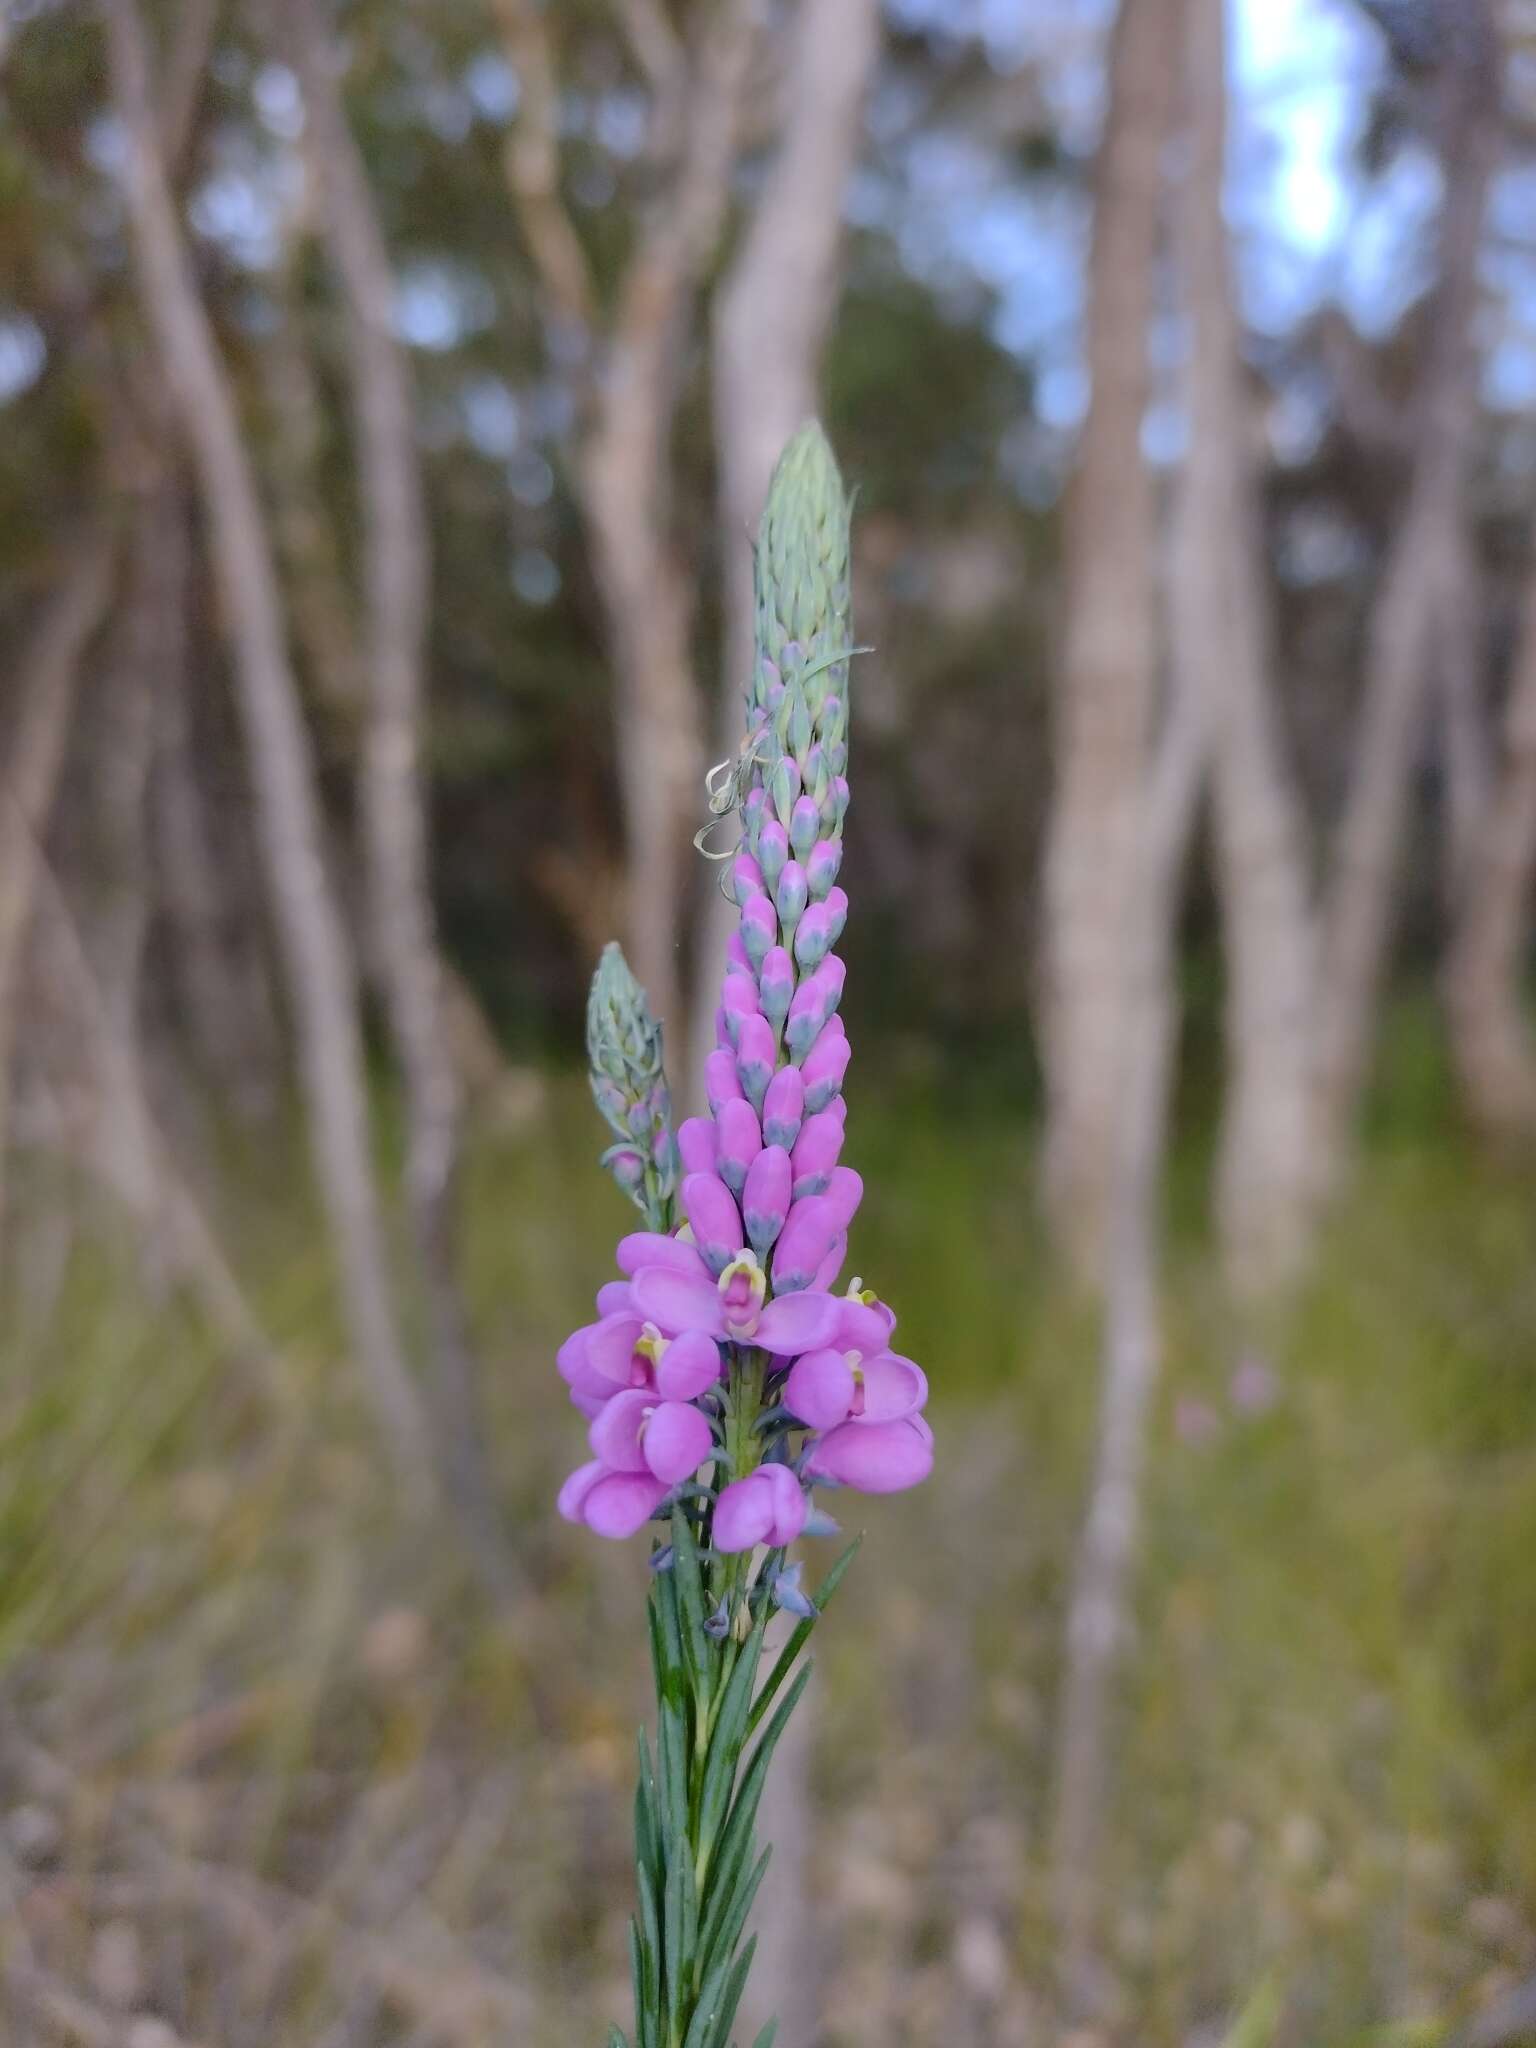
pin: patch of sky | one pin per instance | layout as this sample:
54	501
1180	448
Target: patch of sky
619	123
242	204
493	87
23	353
438	305
493	419
279	106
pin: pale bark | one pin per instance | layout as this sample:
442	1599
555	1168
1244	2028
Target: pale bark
1099	1605
397	569
1109	657
633	378
1266	1171
1362	882
44	692
1490	1034
316	954
773	313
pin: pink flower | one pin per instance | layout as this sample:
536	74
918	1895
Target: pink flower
875	1457
768	1506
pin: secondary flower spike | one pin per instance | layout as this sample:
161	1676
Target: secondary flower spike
725	1377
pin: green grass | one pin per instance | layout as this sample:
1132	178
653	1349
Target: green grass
221	1643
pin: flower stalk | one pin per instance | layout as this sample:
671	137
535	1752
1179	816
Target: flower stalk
724	1378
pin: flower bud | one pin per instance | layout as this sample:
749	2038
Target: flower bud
746	879
821	868
845	1191
804	1019
738	999
738	1140
777	986
813	936
696	1144
759	929
791	894
772	851
628	1168
784	787
824	1068
720	1081
736	960
715	1220
756	1058
804	823
784	1107
765	1201
817	1150
810	1230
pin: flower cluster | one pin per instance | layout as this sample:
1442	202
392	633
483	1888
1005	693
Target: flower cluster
724	1346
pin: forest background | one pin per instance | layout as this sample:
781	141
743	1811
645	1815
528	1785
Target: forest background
387	396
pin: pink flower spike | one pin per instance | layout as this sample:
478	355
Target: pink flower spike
809	1233
776	986
875	1457
765	1199
622	1502
759	929
820	1388
756	1058
825	1065
817	1150
676	1440
688	1367
720	1082
715	1219
696	1144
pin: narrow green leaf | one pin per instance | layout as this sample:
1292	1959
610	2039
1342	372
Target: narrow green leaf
736	1984
672	1760
672	1933
690	1592
726	1876
650	1948
647	1825
664	1593
644	2032
703	2028
730	1732
616	2038
744	1811
800	1636
766	2038
735	1919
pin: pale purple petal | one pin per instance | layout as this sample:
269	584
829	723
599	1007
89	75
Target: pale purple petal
832	1264
676	1302
615	1434
720	1082
776	985
797	1322
809	1233
689	1366
893	1388
613	1298
866	1327
876	1457
649	1248
611	1352
845	1191
825	1065
791	1509
743	1513
676	1441
572	1497
765	1198
784	1107
738	1143
756	1056
820	1387
622	1502
817	1151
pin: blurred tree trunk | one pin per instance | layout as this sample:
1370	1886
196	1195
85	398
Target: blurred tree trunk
47	679
1266	1173
314	940
1103	1579
397	570
632	365
772	315
1362	880
1109	663
1490	1034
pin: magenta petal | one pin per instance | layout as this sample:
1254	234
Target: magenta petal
622	1502
676	1442
791	1509
615	1434
797	1322
720	1082
649	1248
590	1405
893	1388
876	1457
696	1144
572	1497
689	1366
820	1387
743	1513
611	1350
866	1327
808	1235
826	1273
845	1191
675	1301
613	1298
